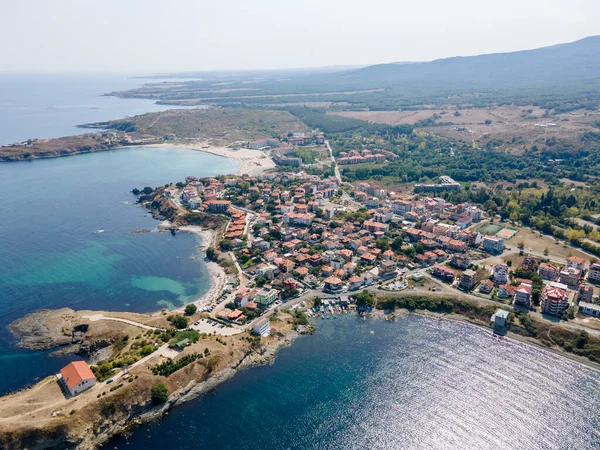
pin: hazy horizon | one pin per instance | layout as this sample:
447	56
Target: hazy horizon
152	37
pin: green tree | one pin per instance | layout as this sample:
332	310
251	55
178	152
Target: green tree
159	394
212	254
178	322
190	309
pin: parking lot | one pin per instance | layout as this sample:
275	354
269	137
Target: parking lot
204	326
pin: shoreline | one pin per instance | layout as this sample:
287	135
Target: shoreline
512	337
215	271
249	161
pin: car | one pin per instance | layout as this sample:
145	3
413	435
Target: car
197	322
109	381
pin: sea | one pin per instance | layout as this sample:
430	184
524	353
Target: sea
411	383
67	240
68	230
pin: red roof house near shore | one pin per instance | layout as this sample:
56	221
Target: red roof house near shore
77	377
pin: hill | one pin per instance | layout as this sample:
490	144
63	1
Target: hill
563	77
563	62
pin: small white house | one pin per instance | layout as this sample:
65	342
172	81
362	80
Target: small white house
77	377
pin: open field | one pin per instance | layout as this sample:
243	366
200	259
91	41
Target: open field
528	125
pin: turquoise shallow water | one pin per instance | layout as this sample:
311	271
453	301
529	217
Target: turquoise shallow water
52	255
416	383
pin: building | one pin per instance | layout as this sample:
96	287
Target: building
180	345
266	296
493	244
446	184
594	273
219	205
554	299
261	327
499	321
468	279
529	263
460	261
523	295
387	270
500	274
486	286
576	262
589	309
548	271
507	291
569	276
585	293
77	377
332	284
442	272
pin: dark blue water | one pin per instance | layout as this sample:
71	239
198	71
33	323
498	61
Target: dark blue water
416	383
51	255
44	106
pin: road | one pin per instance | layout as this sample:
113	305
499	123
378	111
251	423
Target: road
335	166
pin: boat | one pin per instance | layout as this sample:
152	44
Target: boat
99	231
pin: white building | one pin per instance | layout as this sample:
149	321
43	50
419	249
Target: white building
500	274
77	377
493	244
262	327
590	309
523	295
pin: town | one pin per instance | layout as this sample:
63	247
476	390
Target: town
295	235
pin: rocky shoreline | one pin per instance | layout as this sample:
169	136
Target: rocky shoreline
133	411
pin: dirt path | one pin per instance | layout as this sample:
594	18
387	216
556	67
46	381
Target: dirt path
96	317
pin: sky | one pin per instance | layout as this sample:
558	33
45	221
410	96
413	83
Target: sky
152	36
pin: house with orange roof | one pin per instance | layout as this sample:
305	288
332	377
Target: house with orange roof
77	377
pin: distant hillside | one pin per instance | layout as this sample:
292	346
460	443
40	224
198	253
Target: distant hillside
561	77
563	62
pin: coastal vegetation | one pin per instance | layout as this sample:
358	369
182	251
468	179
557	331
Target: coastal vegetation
170	366
179	322
159	394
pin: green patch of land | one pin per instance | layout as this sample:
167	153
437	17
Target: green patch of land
228	124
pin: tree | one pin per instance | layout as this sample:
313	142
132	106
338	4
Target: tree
190	309
147	190
317	302
260	281
582	339
212	254
159	394
364	298
226	245
178	322
546	251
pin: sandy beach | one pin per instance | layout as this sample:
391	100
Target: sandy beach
249	161
216	272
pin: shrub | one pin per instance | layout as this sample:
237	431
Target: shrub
158	394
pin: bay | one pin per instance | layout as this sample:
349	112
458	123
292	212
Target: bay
53	255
